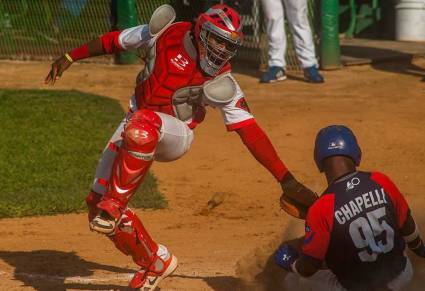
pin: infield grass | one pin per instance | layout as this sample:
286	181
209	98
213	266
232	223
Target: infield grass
50	142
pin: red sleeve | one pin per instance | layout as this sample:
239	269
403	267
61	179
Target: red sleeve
262	149
80	53
400	205
238	125
110	42
110	45
318	227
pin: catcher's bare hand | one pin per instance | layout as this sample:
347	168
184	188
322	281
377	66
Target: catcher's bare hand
58	67
296	198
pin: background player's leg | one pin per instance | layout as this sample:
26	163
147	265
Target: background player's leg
297	13
274	18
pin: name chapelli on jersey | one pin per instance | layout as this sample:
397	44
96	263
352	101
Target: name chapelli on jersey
355	206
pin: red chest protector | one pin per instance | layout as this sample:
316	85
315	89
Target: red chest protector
169	68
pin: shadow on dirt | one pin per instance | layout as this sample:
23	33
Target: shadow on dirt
406	67
385	59
47	270
217	283
239	67
252	71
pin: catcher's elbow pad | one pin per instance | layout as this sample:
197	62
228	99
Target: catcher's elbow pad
161	19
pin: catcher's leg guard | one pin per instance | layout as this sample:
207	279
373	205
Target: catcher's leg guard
131	238
92	200
135	156
148	280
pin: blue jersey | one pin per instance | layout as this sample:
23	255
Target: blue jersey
355	228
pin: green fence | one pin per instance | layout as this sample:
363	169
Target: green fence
44	29
37	29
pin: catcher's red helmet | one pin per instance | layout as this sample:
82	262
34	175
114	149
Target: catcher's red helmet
219	31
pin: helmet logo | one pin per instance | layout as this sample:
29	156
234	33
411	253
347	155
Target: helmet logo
336	145
234	35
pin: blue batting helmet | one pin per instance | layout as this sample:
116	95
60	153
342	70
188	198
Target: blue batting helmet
336	140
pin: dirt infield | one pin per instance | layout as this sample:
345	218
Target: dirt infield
227	249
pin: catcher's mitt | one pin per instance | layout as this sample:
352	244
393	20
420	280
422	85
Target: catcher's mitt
296	198
293	207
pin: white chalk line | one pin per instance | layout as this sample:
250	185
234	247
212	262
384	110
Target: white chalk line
86	280
74	279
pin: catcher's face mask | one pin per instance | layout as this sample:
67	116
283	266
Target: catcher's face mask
219	35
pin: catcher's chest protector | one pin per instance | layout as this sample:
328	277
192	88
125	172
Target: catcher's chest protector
172	81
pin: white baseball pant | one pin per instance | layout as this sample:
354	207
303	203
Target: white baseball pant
297	14
175	140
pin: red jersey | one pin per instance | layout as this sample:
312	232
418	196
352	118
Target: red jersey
172	81
354	227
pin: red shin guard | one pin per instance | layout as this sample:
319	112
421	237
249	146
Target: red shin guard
131	238
92	200
133	161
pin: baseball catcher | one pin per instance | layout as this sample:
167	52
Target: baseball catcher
186	70
360	226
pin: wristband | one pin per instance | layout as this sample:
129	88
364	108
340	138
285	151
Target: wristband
68	57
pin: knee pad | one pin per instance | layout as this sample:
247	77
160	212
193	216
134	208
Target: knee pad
141	133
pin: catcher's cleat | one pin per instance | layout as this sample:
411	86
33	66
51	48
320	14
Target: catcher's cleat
103	223
147	281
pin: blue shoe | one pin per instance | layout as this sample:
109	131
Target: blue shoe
273	74
312	75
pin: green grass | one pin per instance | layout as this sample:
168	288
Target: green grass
50	142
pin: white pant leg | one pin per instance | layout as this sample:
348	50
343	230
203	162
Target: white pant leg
174	142
274	18
322	280
176	139
297	13
403	279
